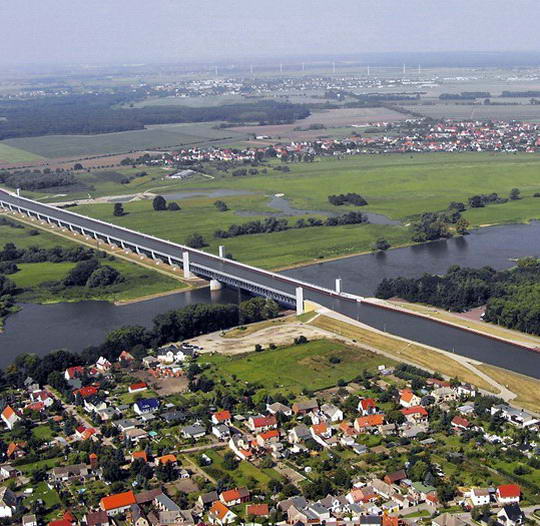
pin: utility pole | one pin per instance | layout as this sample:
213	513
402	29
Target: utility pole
303	66
404	69
333	67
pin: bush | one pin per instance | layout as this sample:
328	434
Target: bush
173	206
334	359
300	340
79	275
195	240
159	203
103	277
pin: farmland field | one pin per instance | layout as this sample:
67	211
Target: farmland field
11	154
297	367
524	112
158	136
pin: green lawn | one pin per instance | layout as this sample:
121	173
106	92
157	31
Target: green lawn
43	432
297	367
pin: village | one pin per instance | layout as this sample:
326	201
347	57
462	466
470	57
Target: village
158	437
409	136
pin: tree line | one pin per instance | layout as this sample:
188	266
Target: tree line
35	180
511	297
347	199
103	113
272	224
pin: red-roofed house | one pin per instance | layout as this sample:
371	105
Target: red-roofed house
235	496
366	422
322	430
407	398
508	493
166	459
415	413
220	514
42	396
257	510
73	372
86	392
15	450
367	406
222	417
460	423
139	454
262	423
10	417
268	437
138	387
118	503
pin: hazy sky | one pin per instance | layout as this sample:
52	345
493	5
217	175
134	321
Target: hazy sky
53	31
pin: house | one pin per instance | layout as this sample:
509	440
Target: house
138	387
479	496
207	499
84	433
15	450
220	514
125	424
221	431
415	414
75	472
268	437
395	477
407	398
299	434
174	416
234	496
135	435
86	392
7	471
94	404
222	417
117	503
126	358
10	416
444	394
458	422
73	372
96	518
166	459
261	423
382	488
136	516
277	408
361	495
333	413
448	519
322	430
257	510
367	406
103	365
303	408
466	390
364	423
194	431
511	515
42	396
29	520
8	502
136	455
146	405
165	503
508	494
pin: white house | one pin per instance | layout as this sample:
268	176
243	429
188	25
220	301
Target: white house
479	496
10	417
8	502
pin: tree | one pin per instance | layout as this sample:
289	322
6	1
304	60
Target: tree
159	203
78	166
515	194
380	245
221	206
173	206
78	275
118	210
104	276
230	462
195	240
462	226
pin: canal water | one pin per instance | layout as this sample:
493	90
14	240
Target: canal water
41	328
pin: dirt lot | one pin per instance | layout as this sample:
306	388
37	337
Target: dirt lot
280	335
184	485
164	386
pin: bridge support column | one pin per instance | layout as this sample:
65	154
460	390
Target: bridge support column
299	301
215	284
185	264
221	251
338	285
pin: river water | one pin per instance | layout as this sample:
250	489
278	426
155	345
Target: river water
41	328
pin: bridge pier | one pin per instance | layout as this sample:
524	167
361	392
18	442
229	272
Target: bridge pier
338	285
221	251
215	284
185	264
299	301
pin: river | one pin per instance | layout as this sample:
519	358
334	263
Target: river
41	328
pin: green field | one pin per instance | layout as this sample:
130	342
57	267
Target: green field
297	367
139	281
11	154
398	186
265	250
157	136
